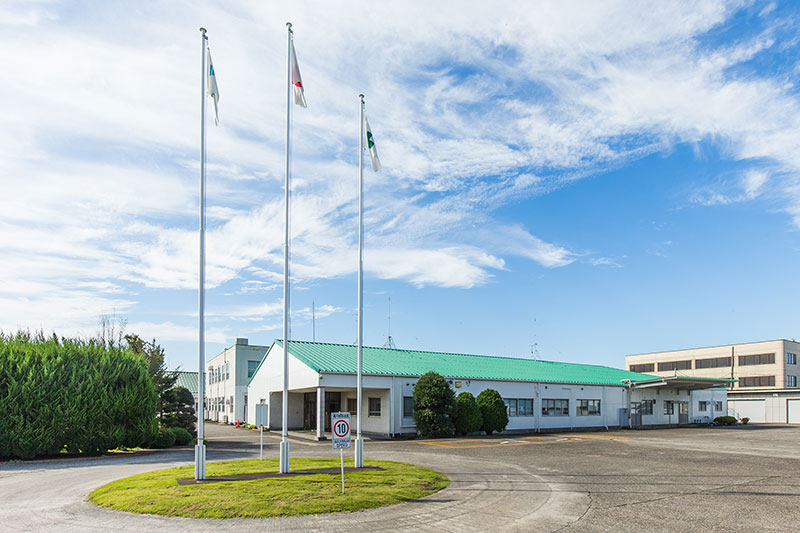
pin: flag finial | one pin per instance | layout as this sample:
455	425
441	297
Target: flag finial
361	96
289	26
203	31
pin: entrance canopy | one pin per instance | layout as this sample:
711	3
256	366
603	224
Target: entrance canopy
683	383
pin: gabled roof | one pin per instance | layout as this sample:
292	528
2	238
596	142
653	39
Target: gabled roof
188	380
341	359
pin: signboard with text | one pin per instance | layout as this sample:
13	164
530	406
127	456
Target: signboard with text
340	429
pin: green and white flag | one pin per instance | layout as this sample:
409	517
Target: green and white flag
369	144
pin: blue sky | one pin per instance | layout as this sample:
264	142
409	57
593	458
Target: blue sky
623	173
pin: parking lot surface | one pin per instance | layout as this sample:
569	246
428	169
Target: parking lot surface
685	479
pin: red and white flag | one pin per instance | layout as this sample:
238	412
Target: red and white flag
297	82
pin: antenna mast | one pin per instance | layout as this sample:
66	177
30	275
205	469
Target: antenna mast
389	340
535	345
313	323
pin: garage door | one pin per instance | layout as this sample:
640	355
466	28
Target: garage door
755	410
793	411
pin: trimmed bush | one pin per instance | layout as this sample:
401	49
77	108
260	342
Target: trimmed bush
725	421
178	409
165	438
744	420
493	409
468	414
78	396
434	406
182	437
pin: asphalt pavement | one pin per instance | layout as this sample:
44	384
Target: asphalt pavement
687	479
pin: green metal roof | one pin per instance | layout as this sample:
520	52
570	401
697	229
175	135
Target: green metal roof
341	358
188	380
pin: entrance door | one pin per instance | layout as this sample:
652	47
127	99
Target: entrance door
793	411
333	404
683	412
310	410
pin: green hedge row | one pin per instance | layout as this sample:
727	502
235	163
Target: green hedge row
72	395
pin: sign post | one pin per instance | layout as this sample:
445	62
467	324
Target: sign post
262	414
340	429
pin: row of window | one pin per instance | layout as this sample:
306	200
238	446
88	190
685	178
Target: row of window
703	406
374	406
219	373
218	403
713	362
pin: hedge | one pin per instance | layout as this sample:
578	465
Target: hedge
72	395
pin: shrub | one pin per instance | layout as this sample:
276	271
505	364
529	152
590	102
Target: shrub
182	437
468	414
178	409
71	394
725	421
745	420
165	438
434	406
493	409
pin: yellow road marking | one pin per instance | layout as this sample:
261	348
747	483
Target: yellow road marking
537	439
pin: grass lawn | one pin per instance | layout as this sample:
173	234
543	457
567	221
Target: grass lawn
158	492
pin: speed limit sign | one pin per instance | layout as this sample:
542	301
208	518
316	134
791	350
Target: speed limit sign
340	428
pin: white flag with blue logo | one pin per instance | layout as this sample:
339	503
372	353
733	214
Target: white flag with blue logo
212	89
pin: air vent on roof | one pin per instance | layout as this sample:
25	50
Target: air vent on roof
242	341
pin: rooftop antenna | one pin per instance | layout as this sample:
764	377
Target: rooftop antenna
389	340
535	345
313	323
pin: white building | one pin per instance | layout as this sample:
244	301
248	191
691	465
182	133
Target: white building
539	395
226	381
765	373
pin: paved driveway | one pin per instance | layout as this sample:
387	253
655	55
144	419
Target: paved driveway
741	479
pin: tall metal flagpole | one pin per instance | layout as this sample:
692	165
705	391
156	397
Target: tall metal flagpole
200	447
359	460
284	461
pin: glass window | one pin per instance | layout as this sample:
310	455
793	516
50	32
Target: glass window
758	359
718	406
251	368
555	407
791	358
675	365
408	406
757	381
669	407
791	381
702	406
374	407
588	407
644	367
511	406
351	406
714	362
647	407
227	371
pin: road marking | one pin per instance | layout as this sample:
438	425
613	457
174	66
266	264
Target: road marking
537	439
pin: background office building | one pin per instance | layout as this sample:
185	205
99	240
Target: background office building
765	372
226	381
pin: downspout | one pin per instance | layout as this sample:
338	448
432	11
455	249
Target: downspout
628	384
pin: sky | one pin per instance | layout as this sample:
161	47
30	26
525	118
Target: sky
593	178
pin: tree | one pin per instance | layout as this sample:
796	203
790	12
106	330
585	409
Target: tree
179	409
493	409
468	414
434	406
153	356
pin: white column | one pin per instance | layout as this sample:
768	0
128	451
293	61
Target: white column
321	413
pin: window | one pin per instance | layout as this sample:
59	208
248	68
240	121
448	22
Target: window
352	406
718	406
519	406
588	407
374	407
791	381
251	368
555	407
675	365
227	371
757	381
791	358
408	406
714	362
702	406
669	407
758	359
647	407
644	367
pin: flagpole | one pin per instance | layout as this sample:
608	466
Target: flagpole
200	447
284	458
359	460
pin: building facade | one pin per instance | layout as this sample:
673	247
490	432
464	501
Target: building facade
227	375
539	395
765	373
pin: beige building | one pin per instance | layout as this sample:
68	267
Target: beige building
766	372
227	375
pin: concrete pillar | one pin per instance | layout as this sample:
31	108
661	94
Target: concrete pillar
321	413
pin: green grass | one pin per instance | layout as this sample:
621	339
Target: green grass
158	492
